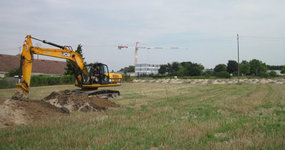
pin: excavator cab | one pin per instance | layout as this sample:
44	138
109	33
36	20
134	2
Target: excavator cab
104	78
103	71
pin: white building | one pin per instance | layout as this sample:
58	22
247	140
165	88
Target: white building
146	69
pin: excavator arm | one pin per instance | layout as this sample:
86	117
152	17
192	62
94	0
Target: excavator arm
65	52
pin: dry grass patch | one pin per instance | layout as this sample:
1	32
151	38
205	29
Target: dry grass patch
166	116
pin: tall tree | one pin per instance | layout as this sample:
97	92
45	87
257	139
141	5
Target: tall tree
169	68
257	67
131	69
232	66
69	65
193	69
128	69
244	67
220	68
162	69
175	66
283	69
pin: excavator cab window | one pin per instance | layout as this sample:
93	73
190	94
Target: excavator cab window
103	77
105	74
87	79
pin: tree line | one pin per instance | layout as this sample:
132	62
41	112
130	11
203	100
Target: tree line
253	67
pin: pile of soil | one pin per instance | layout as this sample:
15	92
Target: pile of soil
70	103
24	111
15	112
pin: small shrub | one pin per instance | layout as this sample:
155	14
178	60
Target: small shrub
8	82
272	73
223	74
127	78
159	76
13	72
42	80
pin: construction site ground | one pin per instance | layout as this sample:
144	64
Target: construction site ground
25	111
162	115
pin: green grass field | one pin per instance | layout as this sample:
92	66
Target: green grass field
163	116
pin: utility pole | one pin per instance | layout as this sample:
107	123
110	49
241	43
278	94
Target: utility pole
238	54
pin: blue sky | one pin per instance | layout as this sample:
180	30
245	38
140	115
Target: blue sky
207	28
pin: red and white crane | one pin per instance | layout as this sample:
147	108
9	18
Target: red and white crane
137	48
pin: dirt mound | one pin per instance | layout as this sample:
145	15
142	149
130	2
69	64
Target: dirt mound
24	111
15	112
71	103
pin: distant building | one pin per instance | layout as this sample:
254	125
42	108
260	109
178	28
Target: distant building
146	69
40	66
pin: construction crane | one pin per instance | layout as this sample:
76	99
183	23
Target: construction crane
137	48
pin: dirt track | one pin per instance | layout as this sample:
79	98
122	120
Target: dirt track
15	112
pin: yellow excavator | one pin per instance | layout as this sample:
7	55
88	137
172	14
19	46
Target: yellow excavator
84	73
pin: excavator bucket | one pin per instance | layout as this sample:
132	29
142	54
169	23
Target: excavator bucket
22	92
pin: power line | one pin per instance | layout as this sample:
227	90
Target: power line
268	38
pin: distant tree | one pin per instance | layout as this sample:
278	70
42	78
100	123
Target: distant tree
272	73
193	69
128	69
131	69
13	72
169	68
70	65
269	67
184	64
257	67
232	66
223	74
162	69
208	72
79	50
177	69
175	66
283	69
244	67
220	68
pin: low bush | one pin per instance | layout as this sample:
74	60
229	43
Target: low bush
272	74
127	78
8	82
160	76
42	80
223	74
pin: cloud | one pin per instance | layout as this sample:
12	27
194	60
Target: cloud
208	28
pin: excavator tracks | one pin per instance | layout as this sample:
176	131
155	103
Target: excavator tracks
93	93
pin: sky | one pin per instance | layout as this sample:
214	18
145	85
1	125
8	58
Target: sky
208	29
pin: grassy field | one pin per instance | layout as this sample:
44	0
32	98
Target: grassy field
163	116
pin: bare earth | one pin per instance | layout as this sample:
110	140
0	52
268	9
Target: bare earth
15	112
